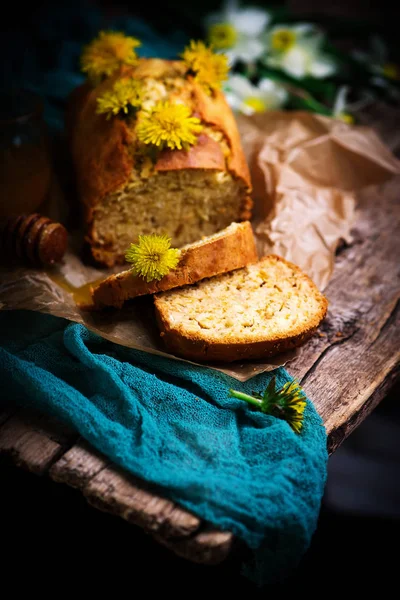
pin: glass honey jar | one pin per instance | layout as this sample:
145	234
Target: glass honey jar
25	167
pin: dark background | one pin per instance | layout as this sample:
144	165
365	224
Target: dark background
51	538
352	20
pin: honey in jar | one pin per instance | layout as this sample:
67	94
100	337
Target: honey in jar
25	170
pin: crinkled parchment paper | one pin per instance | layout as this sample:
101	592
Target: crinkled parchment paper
305	170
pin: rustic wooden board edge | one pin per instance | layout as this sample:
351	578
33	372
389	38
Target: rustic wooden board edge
337	436
33	441
208	546
110	489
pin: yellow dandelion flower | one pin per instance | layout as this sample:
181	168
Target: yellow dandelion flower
287	403
107	53
291	404
209	69
152	258
126	94
168	125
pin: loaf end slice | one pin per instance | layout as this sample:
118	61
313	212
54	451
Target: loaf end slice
255	312
232	248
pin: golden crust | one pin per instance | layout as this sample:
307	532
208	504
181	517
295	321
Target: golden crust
219	114
75	104
102	149
233	250
206	154
199	349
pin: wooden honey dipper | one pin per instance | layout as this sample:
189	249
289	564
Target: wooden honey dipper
35	239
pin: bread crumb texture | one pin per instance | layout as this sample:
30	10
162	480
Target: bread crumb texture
271	301
184	204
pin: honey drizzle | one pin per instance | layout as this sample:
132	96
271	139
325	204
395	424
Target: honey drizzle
81	295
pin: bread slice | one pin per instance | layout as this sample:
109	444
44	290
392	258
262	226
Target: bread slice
255	312
232	248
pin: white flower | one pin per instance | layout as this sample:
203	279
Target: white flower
340	105
237	32
377	61
296	49
247	98
343	109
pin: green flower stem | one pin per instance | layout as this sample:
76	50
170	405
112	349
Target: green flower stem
246	398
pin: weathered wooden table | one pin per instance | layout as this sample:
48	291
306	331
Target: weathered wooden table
346	369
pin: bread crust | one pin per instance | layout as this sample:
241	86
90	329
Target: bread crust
199	349
101	148
219	114
207	153
232	251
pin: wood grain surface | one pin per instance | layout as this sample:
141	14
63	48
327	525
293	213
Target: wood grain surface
346	370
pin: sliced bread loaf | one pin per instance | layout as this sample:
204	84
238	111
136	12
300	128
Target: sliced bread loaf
254	312
232	248
128	188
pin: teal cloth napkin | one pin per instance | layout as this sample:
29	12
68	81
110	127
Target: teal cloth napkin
175	426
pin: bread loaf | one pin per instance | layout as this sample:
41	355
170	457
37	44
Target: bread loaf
185	194
255	312
232	248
